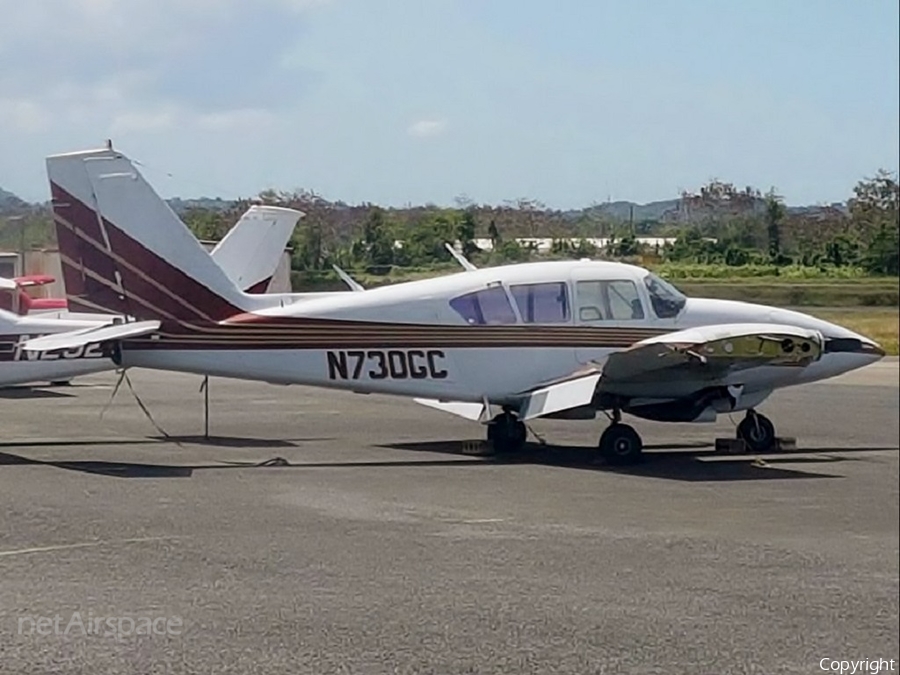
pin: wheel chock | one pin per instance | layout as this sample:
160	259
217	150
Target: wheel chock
736	446
730	446
477	448
785	444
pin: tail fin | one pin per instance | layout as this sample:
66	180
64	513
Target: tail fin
251	251
125	251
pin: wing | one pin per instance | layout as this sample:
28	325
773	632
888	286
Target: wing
80	338
683	362
713	352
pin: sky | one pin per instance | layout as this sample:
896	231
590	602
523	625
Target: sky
569	102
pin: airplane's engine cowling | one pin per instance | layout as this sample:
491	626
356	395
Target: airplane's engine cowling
698	408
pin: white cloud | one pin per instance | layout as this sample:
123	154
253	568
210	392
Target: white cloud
427	128
180	51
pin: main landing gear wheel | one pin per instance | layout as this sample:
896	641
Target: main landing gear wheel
757	431
620	444
506	433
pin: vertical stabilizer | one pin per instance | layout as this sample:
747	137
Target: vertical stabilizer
124	250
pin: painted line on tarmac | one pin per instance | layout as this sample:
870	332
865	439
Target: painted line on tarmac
87	544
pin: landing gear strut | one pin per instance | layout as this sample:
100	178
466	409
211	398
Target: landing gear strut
757	431
506	433
620	444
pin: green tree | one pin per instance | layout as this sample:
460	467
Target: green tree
841	250
512	251
875	216
774	216
207	224
465	233
584	249
309	253
377	244
883	252
494	234
626	247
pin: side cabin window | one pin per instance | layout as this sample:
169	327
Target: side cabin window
542	303
487	306
613	300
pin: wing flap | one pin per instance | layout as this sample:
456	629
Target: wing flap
559	396
469	411
80	338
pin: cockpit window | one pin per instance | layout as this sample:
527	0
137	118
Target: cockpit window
487	306
667	300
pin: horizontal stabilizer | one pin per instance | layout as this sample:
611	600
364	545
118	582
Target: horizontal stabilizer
251	251
80	338
30	280
469	411
559	396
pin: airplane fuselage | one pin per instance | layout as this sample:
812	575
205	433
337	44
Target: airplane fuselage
427	339
19	366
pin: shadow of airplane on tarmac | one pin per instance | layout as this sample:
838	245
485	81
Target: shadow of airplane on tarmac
27	393
685	462
147	470
692	462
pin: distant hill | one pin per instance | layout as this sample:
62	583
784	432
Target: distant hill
622	210
661	210
180	205
11	203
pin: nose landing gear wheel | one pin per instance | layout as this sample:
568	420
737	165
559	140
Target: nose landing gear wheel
620	444
757	431
506	434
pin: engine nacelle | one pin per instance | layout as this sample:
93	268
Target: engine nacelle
582	412
683	410
704	406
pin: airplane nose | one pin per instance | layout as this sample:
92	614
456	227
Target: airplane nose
854	345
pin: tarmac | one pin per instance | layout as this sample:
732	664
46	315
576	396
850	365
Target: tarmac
328	532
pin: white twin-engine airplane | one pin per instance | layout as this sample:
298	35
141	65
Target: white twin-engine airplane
500	345
248	255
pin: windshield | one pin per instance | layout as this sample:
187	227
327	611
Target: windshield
667	300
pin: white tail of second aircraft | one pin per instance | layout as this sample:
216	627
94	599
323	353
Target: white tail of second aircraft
246	253
124	250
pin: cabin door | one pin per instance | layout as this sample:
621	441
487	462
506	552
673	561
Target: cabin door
612	309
